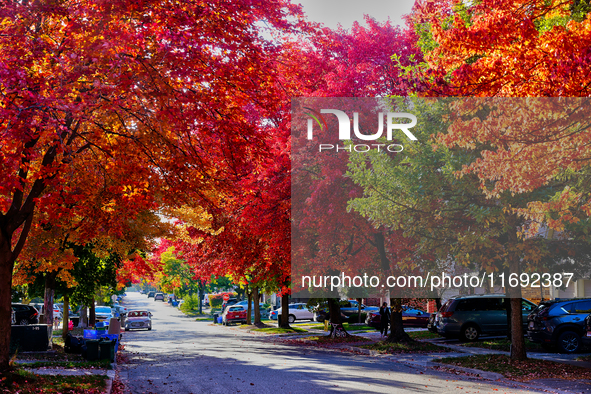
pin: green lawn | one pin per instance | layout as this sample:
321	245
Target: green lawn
346	326
423	335
501	344
519	370
101	364
77	332
20	381
277	330
406	347
325	339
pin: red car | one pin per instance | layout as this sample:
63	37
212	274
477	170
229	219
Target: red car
234	314
410	318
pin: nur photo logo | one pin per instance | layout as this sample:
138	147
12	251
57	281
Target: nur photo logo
344	130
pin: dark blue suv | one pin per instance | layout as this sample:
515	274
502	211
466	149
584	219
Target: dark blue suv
559	324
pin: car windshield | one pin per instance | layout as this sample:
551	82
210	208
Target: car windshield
138	314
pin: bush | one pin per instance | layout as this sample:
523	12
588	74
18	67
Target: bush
216	300
191	303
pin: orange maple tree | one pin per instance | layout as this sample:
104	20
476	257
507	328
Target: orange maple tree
166	94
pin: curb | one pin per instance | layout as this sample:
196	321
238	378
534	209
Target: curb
111	377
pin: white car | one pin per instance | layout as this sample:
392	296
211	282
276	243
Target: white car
102	313
297	312
138	319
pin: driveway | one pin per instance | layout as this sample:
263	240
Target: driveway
181	355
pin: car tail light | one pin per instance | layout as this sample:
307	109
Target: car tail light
543	315
446	314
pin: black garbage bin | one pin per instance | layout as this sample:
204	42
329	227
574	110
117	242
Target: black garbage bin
92	349
215	318
107	350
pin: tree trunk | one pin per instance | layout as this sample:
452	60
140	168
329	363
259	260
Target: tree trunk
249	308
518	351
66	320
201	296
517	340
83	322
283	322
48	299
257	309
91	315
359	300
6	266
336	325
397	333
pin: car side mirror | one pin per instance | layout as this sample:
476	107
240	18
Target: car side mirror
150	314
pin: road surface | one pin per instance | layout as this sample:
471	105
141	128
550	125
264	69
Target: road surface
181	355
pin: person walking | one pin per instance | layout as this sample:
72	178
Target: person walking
384	319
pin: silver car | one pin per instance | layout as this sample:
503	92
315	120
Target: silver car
138	320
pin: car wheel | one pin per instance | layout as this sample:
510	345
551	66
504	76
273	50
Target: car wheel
291	318
23	322
149	328
126	329
320	319
470	332
569	342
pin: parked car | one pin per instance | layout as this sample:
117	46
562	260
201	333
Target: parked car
230	301
118	310
263	309
151	294
410	318
297	311
41	310
102	313
559	324
351	307
159	296
468	317
348	309
234	314
25	314
138	320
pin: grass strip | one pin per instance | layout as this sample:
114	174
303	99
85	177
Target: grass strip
325	339
522	371
423	335
501	344
405	347
20	381
346	326
100	364
278	330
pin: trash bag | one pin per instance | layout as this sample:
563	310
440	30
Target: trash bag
74	344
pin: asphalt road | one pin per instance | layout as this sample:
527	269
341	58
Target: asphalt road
181	355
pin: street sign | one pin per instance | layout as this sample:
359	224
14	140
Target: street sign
226	297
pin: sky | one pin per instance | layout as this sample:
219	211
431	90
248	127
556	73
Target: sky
345	12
